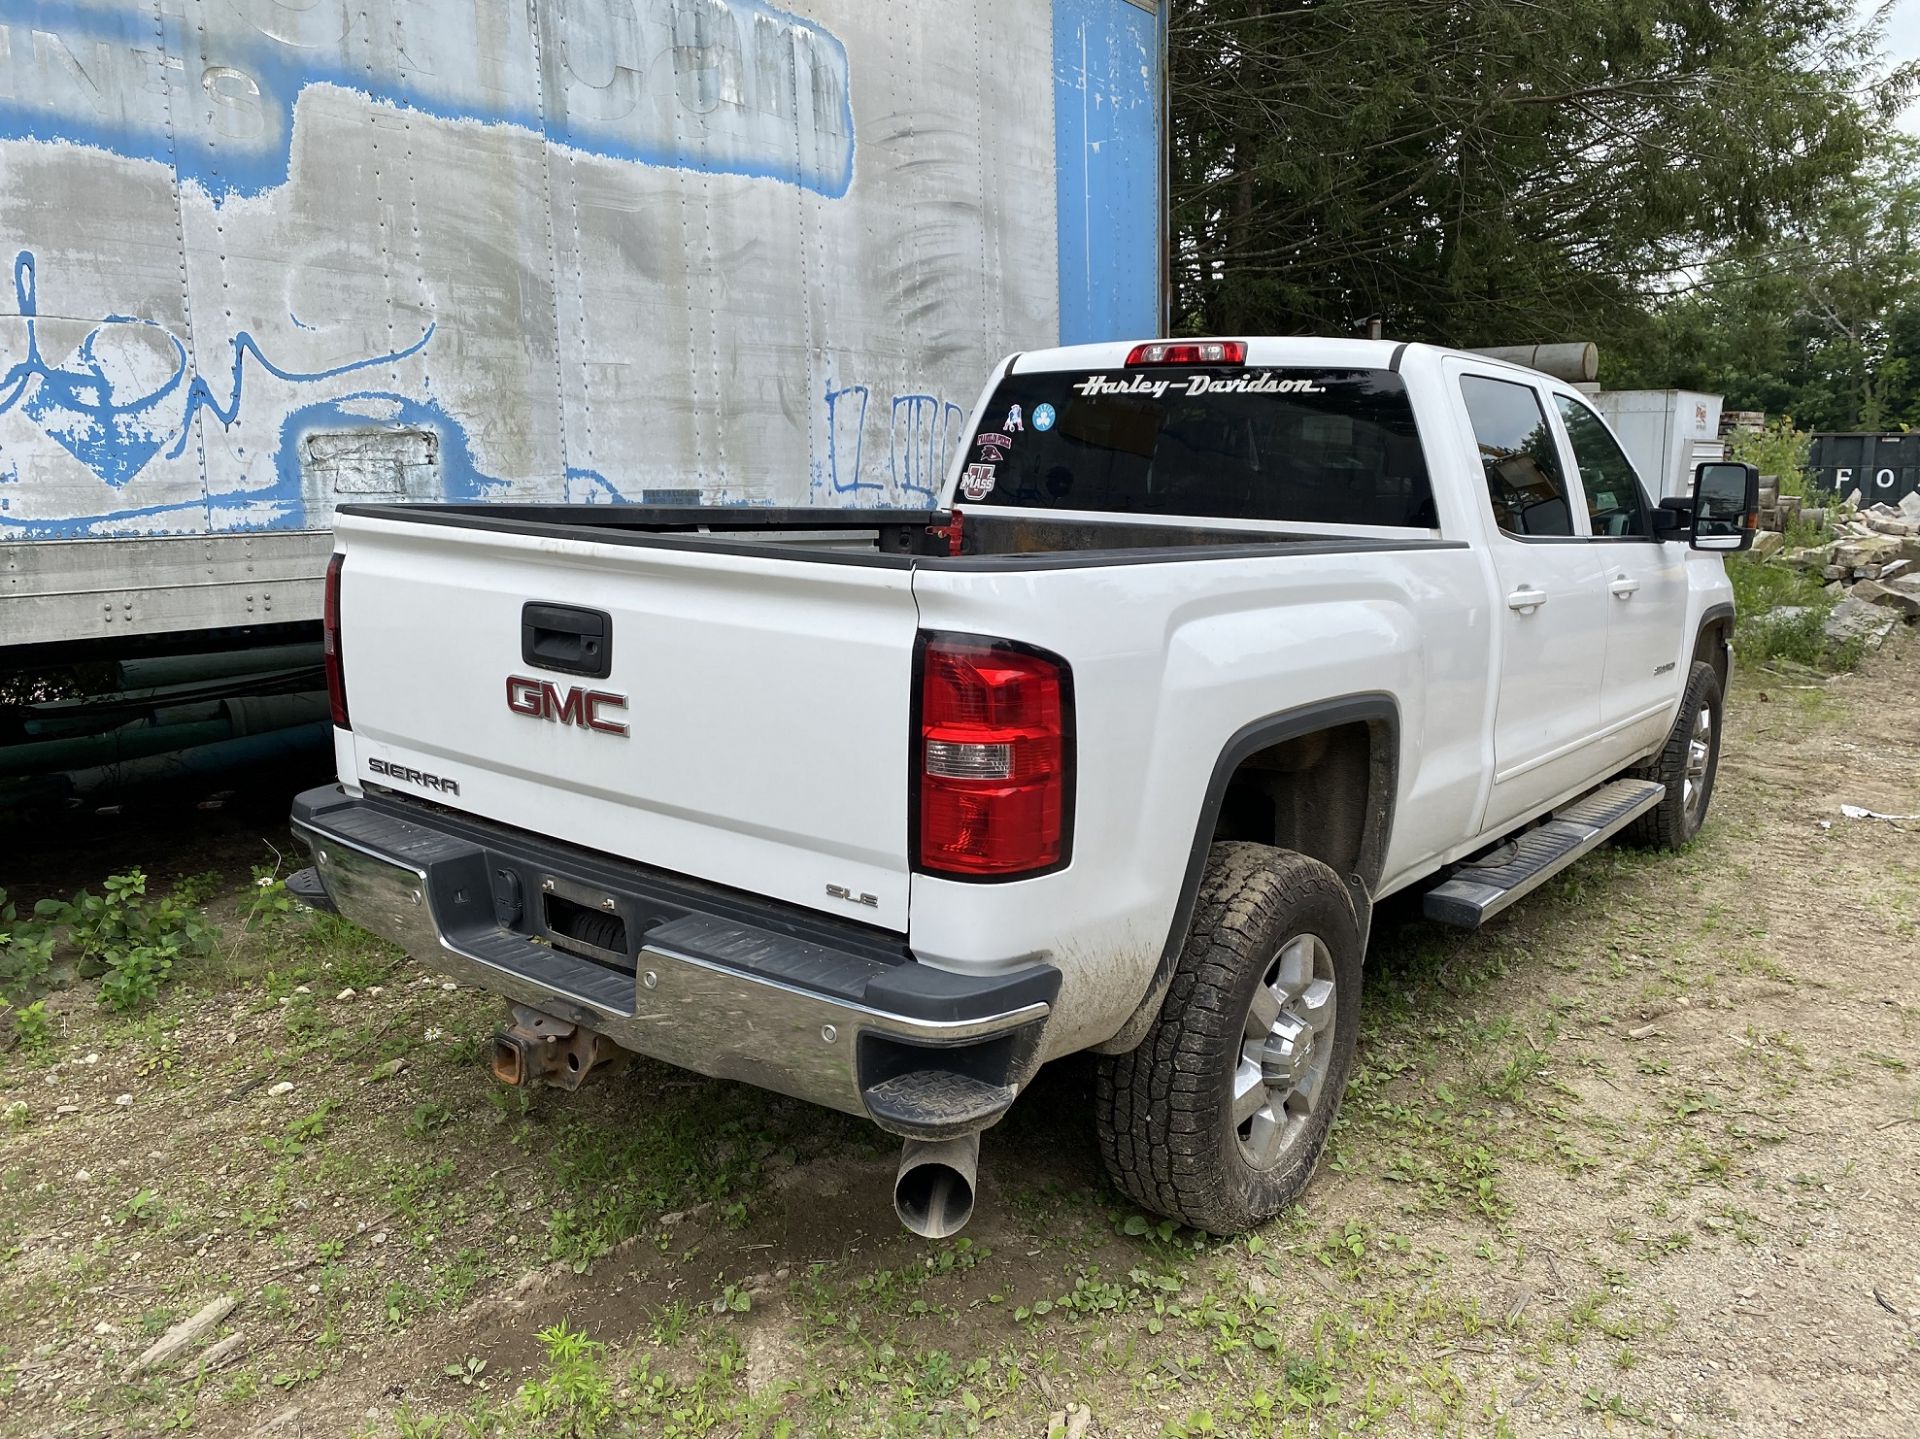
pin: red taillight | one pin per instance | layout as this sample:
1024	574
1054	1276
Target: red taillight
330	644
993	758
1189	352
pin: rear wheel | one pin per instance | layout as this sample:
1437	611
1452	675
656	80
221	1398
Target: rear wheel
1218	1118
1687	765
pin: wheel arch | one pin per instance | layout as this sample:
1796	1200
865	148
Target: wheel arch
1367	787
1713	642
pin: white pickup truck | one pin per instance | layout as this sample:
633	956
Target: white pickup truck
1212	645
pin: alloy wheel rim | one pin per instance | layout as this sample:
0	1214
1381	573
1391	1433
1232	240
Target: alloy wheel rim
1699	756
1280	1073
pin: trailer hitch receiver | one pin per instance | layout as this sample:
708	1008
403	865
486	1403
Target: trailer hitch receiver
539	1049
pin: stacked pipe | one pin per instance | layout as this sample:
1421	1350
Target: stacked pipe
169	717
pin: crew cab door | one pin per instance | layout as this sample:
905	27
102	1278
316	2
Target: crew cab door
1551	599
1646	583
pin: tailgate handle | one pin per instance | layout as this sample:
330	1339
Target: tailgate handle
567	638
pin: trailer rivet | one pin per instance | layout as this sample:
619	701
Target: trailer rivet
829	1033
650	980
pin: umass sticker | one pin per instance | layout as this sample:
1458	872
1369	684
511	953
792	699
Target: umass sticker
977	482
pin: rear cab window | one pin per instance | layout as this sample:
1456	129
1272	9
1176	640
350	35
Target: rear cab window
1282	444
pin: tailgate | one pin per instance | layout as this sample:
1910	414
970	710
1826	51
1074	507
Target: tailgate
764	703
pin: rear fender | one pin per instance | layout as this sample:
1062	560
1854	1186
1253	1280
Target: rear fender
1381	715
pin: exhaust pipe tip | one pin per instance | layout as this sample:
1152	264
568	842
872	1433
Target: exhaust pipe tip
933	1189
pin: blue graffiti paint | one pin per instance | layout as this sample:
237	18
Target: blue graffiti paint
925	431
843	456
76	409
200	395
283	504
590	487
459	476
82	408
76	406
922	433
216	101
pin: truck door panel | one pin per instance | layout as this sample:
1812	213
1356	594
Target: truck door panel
1646	585
1551	600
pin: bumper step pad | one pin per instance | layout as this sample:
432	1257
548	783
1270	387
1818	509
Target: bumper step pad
1476	892
936	1103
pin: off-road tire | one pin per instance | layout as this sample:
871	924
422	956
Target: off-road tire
1164	1110
1673	823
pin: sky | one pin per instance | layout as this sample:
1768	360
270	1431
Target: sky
1903	43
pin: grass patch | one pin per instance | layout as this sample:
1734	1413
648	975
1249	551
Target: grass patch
1760	591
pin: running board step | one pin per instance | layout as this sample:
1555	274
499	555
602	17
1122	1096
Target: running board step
1477	892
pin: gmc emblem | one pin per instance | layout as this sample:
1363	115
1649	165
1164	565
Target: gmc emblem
564	704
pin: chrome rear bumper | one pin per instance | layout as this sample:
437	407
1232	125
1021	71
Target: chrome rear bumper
941	1054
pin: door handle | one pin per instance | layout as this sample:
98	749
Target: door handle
1526	599
1623	587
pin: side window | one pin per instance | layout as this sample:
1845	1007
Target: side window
1520	457
1615	502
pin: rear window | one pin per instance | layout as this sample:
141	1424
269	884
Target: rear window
1327	446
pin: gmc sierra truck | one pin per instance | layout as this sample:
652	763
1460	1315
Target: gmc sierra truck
1209	647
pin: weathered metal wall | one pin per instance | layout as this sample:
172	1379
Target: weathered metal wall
269	254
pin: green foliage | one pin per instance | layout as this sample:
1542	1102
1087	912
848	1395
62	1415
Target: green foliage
272	902
1483	174
428	1116
138	940
620	1180
1819	319
576	1391
1761	592
26	949
582	1393
398	1304
1799	637
467	1372
33	1026
303	1132
196	889
1778	450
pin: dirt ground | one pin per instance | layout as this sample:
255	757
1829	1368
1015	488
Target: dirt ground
1644	1156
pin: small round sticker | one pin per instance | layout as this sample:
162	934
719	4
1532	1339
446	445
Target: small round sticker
1043	417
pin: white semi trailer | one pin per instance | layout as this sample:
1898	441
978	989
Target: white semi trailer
266	256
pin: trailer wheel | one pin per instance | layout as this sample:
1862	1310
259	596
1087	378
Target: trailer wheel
1219	1116
1686	765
